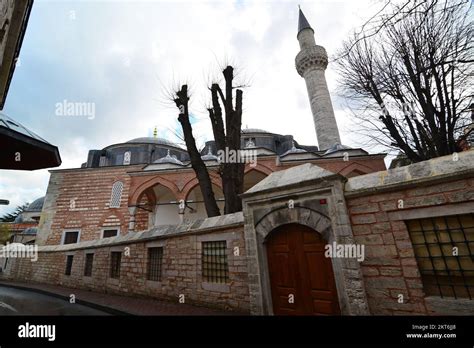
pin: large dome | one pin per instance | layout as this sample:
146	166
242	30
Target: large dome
254	130
152	140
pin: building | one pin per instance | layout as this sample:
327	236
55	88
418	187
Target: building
324	231
15	15
147	182
25	225
22	149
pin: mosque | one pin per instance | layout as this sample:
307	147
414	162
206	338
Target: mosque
152	175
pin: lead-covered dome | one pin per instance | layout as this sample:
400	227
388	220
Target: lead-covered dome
152	140
36	205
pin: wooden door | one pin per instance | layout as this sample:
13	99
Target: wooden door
302	280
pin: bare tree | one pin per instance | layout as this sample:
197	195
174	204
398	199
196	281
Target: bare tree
227	136
410	81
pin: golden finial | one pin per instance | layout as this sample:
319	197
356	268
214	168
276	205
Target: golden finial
155	132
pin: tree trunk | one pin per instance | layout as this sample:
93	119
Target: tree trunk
197	163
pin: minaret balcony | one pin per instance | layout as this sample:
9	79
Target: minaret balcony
311	58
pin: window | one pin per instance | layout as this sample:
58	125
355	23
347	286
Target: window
116	196
115	259
102	161
126	158
88	265
69	260
444	249
113	232
155	260
71	237
214	262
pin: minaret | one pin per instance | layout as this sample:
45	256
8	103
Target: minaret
311	62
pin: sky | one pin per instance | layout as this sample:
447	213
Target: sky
124	57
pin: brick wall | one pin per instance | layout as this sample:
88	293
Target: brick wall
89	189
181	270
390	267
79	199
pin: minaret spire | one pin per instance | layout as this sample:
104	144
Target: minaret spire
311	63
302	22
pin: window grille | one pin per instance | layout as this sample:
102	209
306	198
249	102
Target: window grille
117	189
115	259
154	266
444	249
88	265
214	262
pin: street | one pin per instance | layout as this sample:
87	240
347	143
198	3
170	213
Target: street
21	302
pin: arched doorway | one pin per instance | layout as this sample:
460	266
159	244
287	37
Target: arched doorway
301	277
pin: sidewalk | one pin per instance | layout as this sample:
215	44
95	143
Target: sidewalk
116	304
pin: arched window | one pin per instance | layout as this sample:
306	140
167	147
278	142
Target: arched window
126	158
117	188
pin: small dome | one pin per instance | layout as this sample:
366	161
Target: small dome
336	147
168	159
18	219
293	150
36	205
209	156
30	231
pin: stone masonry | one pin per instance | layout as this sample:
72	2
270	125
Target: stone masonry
181	265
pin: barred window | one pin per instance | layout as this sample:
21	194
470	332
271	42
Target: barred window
69	260
110	233
71	237
214	262
88	265
154	266
117	189
115	260
444	249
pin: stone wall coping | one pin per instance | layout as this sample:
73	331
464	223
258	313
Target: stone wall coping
213	224
294	176
424	172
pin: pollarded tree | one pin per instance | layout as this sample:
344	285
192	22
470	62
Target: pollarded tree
226	120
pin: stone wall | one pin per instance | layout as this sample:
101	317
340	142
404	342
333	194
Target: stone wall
181	265
380	203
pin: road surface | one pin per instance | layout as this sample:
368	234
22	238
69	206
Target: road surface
22	302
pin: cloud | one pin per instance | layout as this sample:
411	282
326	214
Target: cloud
122	55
